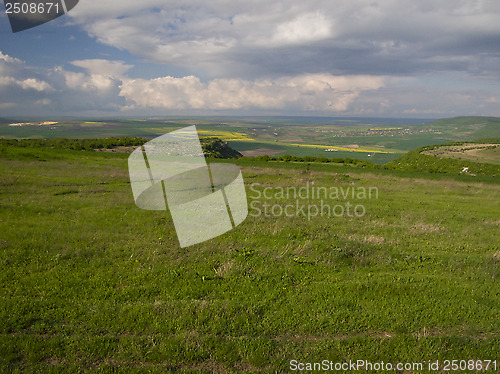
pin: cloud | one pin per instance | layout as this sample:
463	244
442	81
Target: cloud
415	99
25	90
228	39
91	83
9	59
103	67
34	84
14	76
104	86
318	92
305	28
362	57
7	105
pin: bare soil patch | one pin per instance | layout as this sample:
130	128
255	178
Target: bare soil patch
261	152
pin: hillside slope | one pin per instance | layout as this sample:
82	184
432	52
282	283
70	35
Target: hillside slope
466	128
217	148
424	159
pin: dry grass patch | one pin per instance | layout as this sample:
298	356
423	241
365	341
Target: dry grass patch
366	239
496	256
301	249
425	228
261	152
224	269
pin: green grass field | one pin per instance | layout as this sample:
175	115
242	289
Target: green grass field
91	283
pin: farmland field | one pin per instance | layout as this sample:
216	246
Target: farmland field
371	139
91	283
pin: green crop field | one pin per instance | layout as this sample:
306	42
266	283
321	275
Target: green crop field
403	268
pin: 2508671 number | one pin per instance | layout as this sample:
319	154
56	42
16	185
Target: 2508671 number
454	365
31	8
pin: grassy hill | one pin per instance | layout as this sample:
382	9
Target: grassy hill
488	152
91	283
451	158
466	128
216	148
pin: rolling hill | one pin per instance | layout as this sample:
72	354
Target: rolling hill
466	128
478	157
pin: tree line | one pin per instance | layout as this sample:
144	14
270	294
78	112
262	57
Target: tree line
75	144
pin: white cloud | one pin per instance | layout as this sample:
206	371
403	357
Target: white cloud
9	59
103	67
12	75
58	90
90	82
34	84
105	85
303	29
315	92
6	81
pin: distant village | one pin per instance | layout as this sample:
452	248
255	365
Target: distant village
46	123
395	131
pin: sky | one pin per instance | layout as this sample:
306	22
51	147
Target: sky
363	58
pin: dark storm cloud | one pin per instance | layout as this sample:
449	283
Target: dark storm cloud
255	39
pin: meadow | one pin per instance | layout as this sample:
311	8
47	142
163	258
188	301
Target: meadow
91	283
